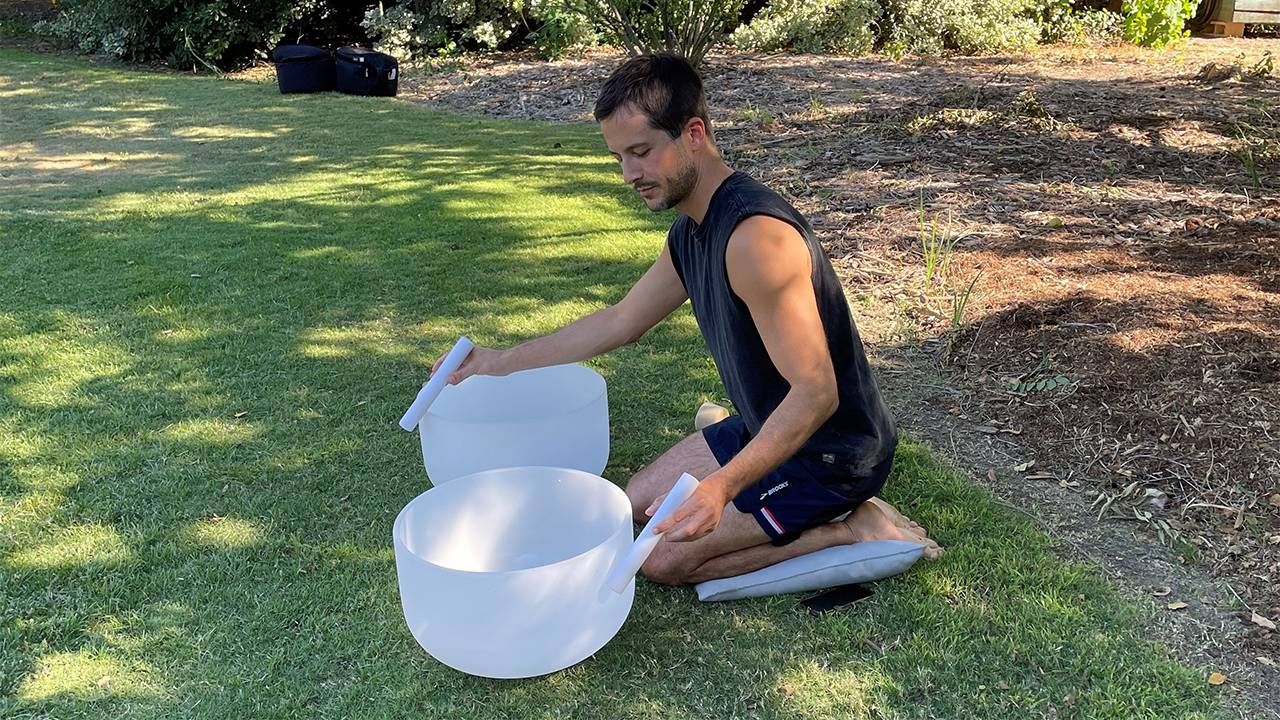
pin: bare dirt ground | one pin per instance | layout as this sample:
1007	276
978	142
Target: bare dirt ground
1098	340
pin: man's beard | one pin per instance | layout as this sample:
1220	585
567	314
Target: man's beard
679	186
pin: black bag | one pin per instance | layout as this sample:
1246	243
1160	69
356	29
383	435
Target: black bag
303	68
366	72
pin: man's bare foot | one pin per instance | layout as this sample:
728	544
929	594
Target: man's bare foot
871	522
897	518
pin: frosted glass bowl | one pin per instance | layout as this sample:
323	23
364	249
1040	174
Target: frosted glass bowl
503	575
555	416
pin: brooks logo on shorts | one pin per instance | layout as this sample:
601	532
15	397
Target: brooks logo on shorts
773	490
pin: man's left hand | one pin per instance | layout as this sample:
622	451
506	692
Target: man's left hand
696	517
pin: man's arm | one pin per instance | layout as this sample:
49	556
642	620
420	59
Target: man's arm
769	268
654	296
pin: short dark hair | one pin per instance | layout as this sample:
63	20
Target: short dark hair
663	86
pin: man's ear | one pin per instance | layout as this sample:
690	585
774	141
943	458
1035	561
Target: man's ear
697	132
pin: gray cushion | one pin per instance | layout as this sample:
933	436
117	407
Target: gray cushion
839	565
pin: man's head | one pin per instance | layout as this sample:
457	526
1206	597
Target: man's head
654	118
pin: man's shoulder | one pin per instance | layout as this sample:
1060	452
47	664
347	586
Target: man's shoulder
762	234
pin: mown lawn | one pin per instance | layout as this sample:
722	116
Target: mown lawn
216	301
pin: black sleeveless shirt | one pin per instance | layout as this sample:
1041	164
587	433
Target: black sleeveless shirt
861	433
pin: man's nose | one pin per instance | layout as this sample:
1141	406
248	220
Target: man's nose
630	173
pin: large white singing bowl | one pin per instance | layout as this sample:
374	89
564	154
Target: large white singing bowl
555	416
503	575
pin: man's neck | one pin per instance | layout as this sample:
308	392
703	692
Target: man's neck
710	176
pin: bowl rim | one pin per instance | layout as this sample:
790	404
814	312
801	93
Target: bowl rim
594	377
397	527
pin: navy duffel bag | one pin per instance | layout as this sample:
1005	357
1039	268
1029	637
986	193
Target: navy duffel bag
366	72
303	68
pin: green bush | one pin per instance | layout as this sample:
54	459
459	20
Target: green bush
402	33
929	27
814	26
988	26
175	32
561	31
1157	23
686	27
420	29
1089	27
185	33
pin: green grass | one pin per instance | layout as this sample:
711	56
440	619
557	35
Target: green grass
178	251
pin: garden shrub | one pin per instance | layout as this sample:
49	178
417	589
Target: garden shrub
815	26
929	27
1157	23
686	27
560	31
184	33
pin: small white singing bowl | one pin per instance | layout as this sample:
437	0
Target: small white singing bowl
503	575
555	416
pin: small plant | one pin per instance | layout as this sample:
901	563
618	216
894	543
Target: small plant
757	115
817	108
958	303
936	247
1263	68
1247	155
1259	143
1038	380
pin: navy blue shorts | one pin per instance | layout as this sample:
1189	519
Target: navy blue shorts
804	492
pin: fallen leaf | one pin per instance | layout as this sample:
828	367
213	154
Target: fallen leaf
196	275
166	333
1217	678
1266	661
991	475
1274	500
241	414
1162	591
1002	685
362	402
1176	605
1023	467
1153	498
344	498
1262	622
1042	476
988	429
104	681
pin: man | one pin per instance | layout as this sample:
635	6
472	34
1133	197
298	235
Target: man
799	468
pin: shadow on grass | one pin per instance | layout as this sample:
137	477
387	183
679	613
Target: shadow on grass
203	353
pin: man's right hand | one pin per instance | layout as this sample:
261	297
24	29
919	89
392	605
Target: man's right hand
480	361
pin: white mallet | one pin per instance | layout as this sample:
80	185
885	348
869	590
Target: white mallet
627	566
436	383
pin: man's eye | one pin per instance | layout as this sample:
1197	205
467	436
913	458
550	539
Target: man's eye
642	153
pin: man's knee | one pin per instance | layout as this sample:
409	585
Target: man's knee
641	493
664	568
